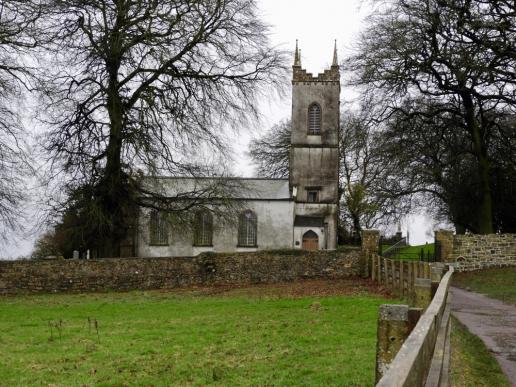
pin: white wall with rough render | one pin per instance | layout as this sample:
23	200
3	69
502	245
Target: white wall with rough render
275	220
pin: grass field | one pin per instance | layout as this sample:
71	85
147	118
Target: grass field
472	365
302	335
413	252
495	283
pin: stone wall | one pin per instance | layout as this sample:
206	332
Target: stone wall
165	273
473	252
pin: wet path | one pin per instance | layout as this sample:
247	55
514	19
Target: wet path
491	320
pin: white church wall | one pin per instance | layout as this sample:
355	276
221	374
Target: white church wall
275	230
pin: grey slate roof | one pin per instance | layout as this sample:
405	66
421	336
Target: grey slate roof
234	187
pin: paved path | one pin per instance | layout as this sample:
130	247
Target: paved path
491	320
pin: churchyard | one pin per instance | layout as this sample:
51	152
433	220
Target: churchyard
304	333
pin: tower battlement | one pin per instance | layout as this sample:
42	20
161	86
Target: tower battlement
329	75
301	75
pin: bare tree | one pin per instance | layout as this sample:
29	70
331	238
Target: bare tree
366	174
136	84
271	153
434	161
458	56
17	23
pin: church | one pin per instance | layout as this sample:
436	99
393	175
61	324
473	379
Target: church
300	212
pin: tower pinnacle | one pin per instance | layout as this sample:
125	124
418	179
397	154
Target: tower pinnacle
297	57
335	60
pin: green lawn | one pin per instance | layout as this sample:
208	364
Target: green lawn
427	248
495	283
472	365
413	252
188	338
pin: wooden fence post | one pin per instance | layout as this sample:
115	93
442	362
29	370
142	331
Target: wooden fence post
393	271
373	267
428	271
410	280
437	272
379	269
386	271
402	284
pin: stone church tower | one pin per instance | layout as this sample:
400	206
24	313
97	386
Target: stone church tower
314	157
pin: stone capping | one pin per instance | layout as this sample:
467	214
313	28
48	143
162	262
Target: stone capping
412	364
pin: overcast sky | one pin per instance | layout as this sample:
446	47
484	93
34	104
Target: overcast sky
316	25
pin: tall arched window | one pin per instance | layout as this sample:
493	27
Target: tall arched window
158	228
203	231
314	119
247	229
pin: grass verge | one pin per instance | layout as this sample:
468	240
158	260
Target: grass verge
256	336
472	365
413	252
495	283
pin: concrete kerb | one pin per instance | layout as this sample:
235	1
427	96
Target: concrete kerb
412	363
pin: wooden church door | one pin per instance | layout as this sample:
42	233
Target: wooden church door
310	241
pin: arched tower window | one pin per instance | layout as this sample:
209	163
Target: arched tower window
158	228
314	119
247	229
203	231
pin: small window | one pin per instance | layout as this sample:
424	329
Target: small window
247	229
203	232
312	196
158	228
314	119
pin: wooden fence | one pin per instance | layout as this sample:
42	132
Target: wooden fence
398	275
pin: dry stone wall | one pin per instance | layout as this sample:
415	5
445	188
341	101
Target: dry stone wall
124	274
474	252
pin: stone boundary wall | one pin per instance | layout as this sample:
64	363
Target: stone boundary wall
423	359
475	252
45	276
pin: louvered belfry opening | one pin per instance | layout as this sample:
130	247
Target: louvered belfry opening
314	119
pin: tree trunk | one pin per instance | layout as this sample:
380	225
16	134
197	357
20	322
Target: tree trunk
356	226
112	190
485	207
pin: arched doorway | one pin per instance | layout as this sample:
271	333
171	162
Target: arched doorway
310	241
